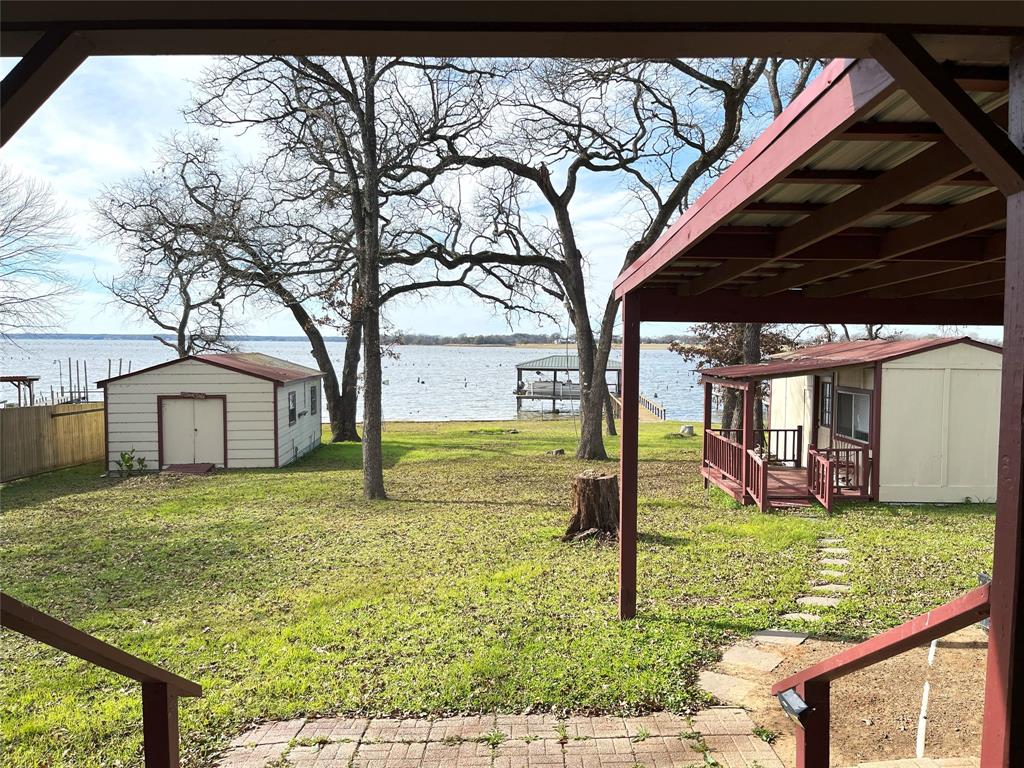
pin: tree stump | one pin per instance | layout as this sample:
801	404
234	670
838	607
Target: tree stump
595	504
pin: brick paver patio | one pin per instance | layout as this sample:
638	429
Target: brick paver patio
661	740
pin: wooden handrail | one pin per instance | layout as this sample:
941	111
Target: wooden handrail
813	683
160	688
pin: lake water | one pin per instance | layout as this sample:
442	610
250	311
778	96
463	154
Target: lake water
424	383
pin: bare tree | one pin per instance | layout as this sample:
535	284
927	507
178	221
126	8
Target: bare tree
370	136
661	127
171	276
34	237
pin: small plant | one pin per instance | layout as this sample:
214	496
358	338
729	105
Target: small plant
529	738
641	734
126	463
140	463
493	738
563	733
767	735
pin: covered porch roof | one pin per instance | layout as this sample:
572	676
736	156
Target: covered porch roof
830	356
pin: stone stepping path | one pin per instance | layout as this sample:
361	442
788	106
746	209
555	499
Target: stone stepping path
832	558
817	601
832	589
801	617
751	658
778	637
724	734
834	561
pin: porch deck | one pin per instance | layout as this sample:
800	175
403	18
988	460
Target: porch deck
787	486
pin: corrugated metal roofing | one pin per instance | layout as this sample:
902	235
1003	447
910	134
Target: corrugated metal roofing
252	363
836	355
561	363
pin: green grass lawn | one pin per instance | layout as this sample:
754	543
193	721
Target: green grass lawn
284	593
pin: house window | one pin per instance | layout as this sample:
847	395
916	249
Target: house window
314	398
825	405
291	408
853	415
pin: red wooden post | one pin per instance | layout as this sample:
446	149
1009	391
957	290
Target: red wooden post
707	425
160	725
812	738
748	435
628	456
1003	731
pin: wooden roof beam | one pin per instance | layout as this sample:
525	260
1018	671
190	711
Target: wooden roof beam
34	79
979	274
770	206
977	215
980	291
799	276
857	176
885	131
935	91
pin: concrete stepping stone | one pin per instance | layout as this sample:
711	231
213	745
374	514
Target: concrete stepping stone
834	550
831	589
752	658
800	617
830	542
827	573
833	561
818	601
777	636
726	688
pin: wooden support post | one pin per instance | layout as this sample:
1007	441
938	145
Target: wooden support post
1002	738
160	725
39	73
708	398
748	437
628	457
812	737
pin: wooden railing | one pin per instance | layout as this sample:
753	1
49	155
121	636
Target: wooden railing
160	688
723	454
653	406
757	480
812	684
778	446
841	470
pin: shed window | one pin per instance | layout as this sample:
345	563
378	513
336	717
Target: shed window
825	404
291	408
314	399
853	415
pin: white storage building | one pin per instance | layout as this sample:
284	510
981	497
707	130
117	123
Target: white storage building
230	410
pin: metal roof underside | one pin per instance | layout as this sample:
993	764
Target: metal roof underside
826	216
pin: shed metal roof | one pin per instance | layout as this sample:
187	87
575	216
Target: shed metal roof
250	363
836	355
561	363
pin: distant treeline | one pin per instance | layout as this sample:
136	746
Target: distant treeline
508	339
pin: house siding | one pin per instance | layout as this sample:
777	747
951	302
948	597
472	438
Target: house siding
132	419
940	419
792	404
295	440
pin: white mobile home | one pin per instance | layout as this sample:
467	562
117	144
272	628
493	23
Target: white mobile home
229	410
899	421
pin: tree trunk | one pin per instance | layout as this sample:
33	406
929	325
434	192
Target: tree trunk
729	410
595	504
350	382
752	355
373	458
609	412
332	393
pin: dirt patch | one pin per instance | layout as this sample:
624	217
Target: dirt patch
875	711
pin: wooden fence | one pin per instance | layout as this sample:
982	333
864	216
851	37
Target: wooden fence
39	438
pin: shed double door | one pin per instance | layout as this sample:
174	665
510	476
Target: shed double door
192	431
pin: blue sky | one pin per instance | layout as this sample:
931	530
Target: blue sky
106	122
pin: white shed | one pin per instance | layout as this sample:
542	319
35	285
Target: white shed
899	421
230	410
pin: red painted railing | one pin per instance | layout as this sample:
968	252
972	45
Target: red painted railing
812	684
723	454
819	477
843	470
757	480
782	446
160	688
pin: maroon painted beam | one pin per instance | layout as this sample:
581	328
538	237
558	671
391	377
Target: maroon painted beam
981	291
948	104
891	131
728	306
979	274
34	79
1002	736
798	276
628	456
769	206
977	215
